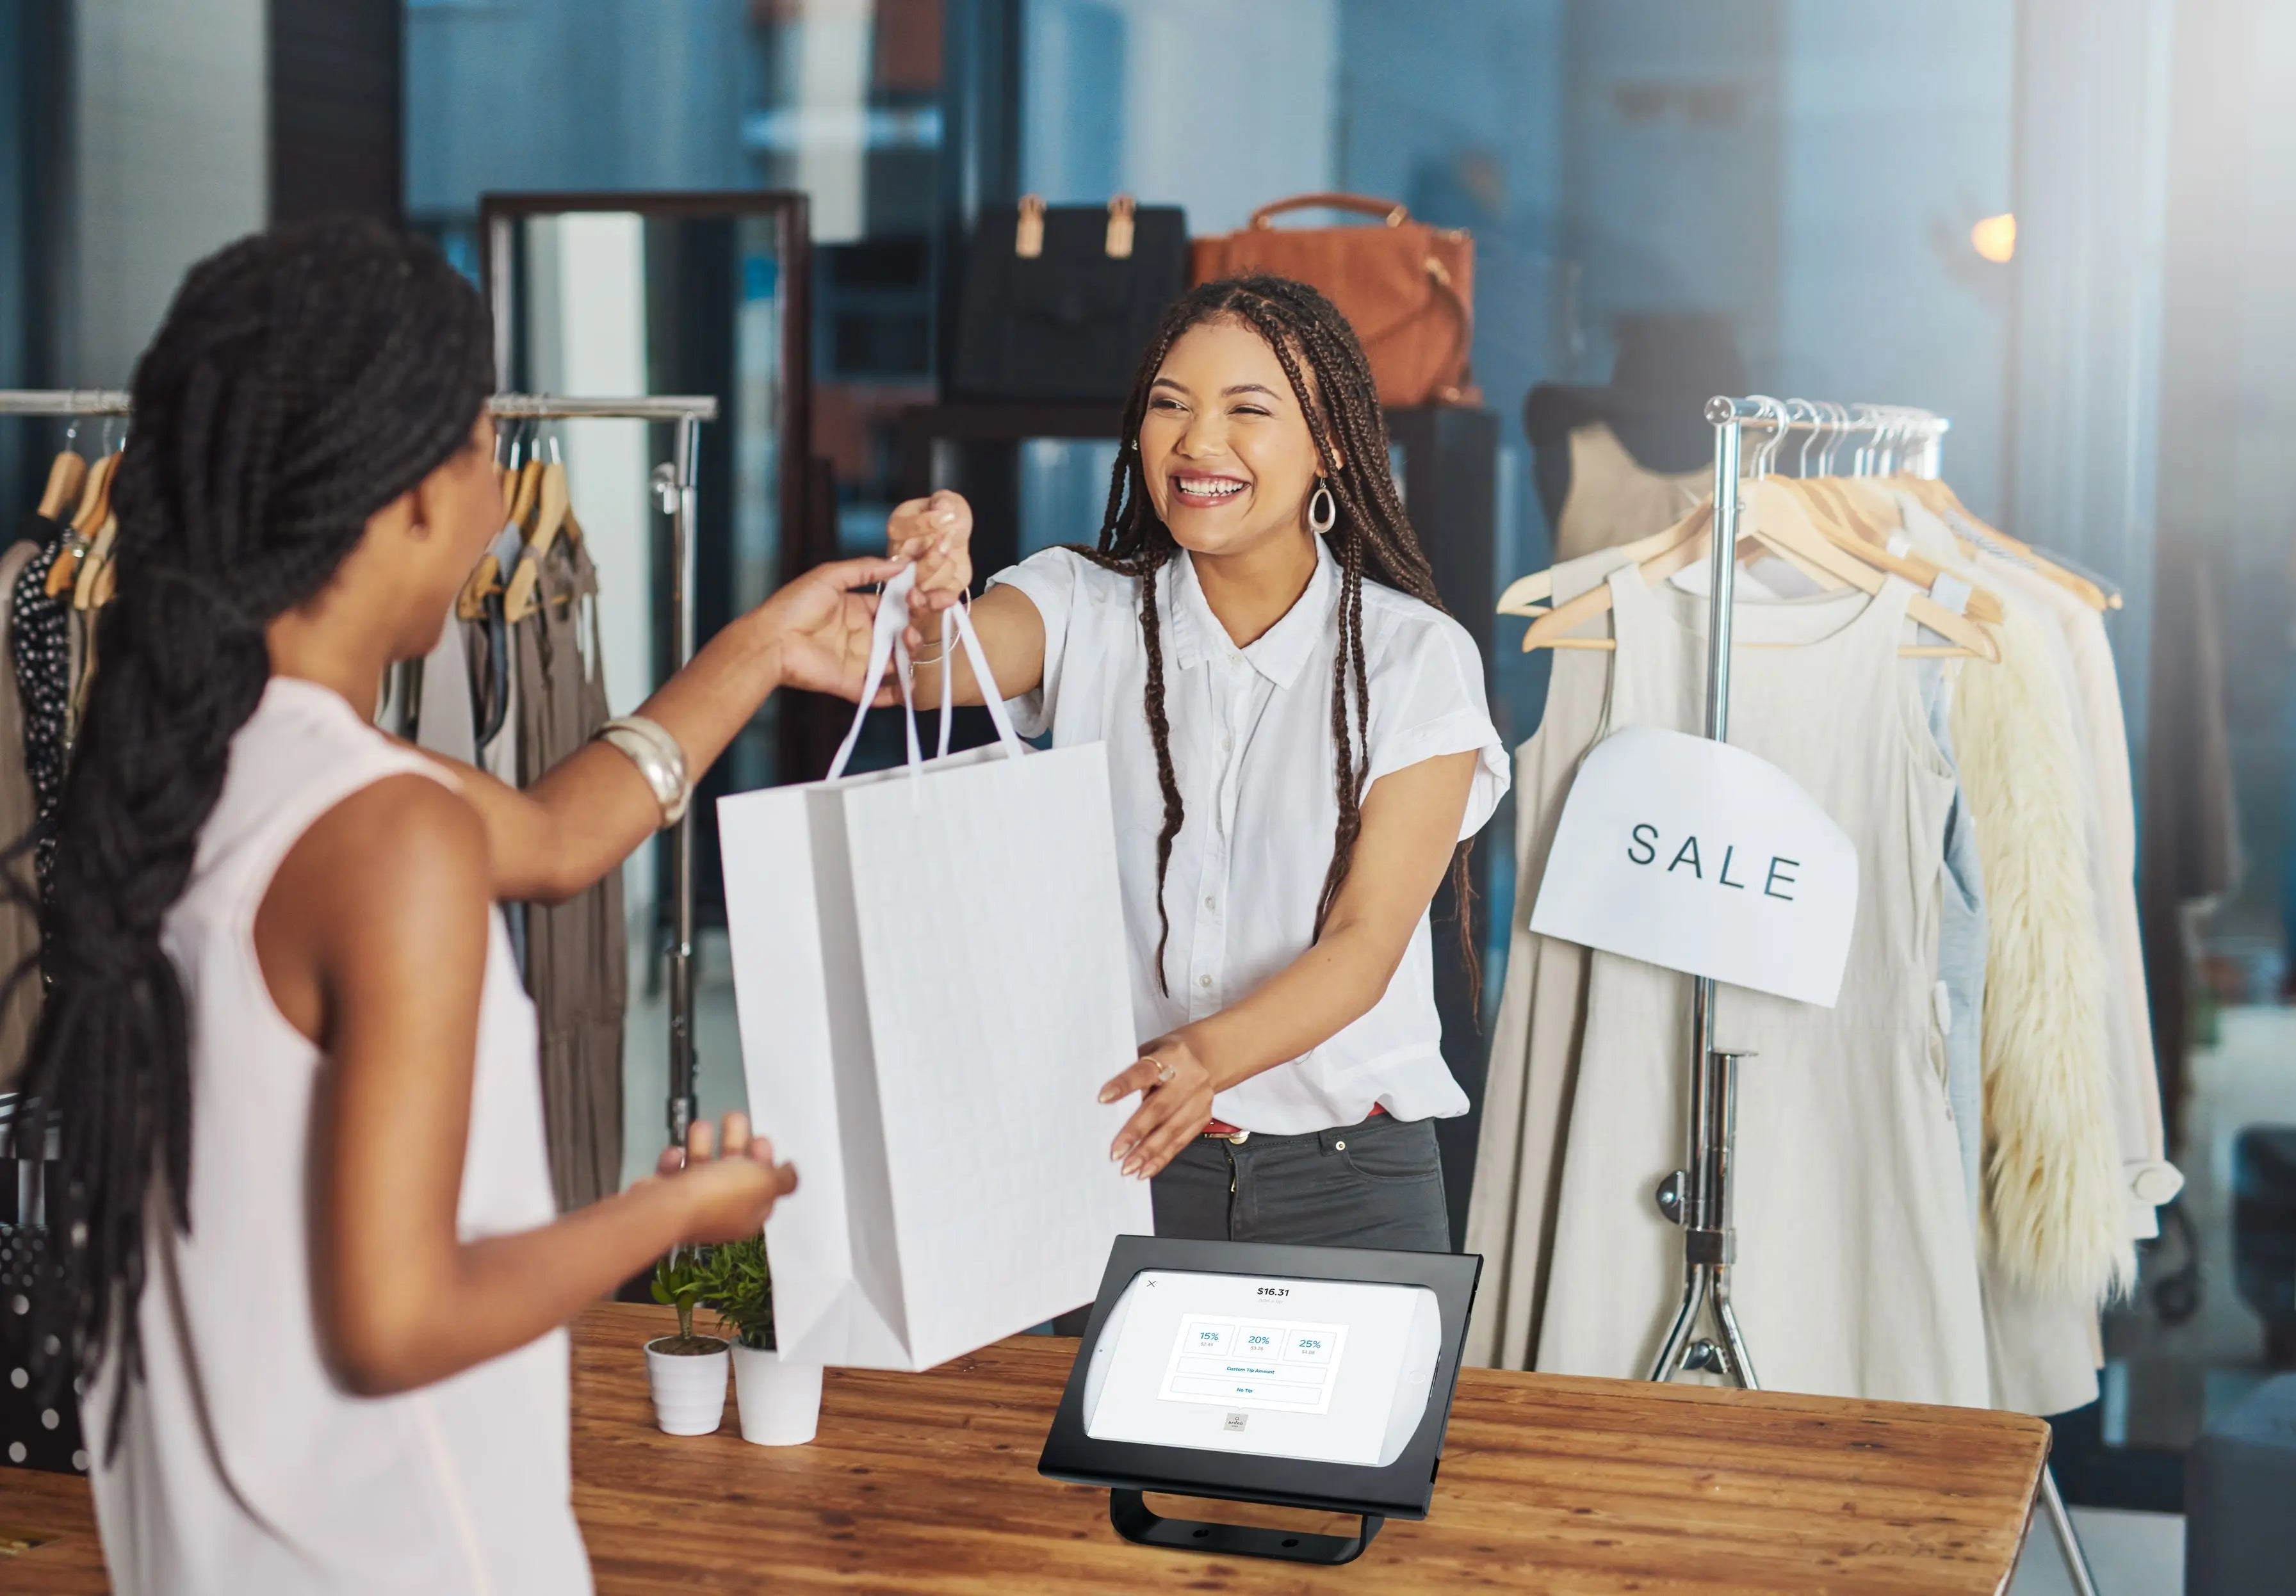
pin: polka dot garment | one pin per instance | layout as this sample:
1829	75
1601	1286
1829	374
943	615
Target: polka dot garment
40	639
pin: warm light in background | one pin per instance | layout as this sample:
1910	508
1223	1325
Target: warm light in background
1995	238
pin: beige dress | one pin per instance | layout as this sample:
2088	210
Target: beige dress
1857	1271
1615	499
1534	1055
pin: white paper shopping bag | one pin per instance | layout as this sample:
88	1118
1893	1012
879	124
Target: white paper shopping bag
930	967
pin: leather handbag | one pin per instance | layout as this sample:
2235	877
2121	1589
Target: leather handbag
1060	300
1408	289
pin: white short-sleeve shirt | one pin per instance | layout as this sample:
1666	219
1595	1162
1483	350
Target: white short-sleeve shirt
1252	747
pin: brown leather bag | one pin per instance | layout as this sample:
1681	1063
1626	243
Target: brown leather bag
1408	289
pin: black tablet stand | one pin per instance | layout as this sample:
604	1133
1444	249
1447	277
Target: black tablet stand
1136	1522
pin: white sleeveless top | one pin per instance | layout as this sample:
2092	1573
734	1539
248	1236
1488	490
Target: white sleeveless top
243	1467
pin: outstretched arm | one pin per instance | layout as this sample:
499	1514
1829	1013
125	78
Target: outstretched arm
936	533
1411	820
372	943
551	840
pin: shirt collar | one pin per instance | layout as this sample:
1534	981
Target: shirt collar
1281	652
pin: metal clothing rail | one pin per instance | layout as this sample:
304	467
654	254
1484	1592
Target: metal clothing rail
675	490
1698	1197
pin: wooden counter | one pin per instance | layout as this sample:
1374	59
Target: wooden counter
929	1483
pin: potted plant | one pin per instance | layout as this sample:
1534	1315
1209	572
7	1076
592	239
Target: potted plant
780	1399
687	1371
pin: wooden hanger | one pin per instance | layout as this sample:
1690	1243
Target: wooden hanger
1940	499
67	475
554	508
486	578
95	509
89	587
1776	517
1528	595
1864	516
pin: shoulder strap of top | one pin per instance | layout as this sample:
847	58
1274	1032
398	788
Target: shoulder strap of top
303	752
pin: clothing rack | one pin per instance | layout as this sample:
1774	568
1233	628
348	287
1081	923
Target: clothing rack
675	490
1697	1197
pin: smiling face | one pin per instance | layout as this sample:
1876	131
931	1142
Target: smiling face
1224	447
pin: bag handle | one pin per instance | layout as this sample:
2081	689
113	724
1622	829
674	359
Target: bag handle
885	648
1438	278
1029	232
1392	212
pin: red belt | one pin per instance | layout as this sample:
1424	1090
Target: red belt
1222	1128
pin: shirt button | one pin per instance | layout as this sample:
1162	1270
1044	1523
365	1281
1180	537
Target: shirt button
1203	981
1236	659
1212	903
1227	745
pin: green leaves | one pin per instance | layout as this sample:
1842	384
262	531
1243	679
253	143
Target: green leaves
739	1288
731	1279
680	1281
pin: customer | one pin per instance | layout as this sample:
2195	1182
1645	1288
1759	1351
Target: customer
309	1263
1297	743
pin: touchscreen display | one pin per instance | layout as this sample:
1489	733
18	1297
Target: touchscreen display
1334	1372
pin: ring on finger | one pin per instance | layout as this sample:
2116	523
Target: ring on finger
1164	1072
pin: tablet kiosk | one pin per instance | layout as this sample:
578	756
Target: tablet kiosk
1306	1377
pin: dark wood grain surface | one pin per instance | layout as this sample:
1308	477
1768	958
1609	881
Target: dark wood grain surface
929	1483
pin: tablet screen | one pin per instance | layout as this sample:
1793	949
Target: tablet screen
1334	1372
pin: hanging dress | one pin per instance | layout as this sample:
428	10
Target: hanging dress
20	900
39	647
1857	1270
1534	1053
578	952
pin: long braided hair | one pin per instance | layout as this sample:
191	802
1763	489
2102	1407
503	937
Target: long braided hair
303	379
1309	336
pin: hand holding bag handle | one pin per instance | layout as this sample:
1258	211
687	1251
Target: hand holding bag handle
885	649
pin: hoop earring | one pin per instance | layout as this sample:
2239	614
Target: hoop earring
1323	510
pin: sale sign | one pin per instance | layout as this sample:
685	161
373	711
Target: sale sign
1694	855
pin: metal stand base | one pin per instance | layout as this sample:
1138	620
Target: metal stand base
1139	1523
1698	1198
2068	1546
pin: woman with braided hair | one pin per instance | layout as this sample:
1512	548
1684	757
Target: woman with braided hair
305	1260
1298	748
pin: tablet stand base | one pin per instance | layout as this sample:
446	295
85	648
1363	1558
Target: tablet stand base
1136	1522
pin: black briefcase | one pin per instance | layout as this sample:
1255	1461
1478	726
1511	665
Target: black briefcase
1061	301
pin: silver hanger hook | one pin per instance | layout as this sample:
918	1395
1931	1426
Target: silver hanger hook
1869	422
1837	422
1805	413
1908	423
1772	411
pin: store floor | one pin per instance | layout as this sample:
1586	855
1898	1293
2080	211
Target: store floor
645	1055
2130	1554
2166	1382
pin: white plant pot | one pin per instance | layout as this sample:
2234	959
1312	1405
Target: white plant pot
781	1403
689	1389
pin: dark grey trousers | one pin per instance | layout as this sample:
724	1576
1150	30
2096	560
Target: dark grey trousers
1378	1184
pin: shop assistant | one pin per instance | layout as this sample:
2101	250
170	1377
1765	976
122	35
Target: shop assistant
309	1261
1297	747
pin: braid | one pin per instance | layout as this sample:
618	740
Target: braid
303	379
1308	333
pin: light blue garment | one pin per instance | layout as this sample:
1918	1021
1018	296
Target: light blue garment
1961	957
